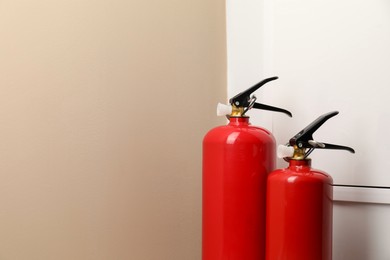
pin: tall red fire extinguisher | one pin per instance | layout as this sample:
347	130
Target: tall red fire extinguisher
299	201
236	160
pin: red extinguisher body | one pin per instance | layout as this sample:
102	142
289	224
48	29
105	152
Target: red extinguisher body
299	213
236	161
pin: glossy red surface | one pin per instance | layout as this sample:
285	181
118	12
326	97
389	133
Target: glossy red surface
299	213
236	161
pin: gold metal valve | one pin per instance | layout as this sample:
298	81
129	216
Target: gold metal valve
299	153
237	111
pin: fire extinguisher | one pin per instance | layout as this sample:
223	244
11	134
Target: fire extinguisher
236	160
299	201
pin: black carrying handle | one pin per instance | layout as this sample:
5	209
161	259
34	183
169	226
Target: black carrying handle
271	108
304	139
243	99
336	147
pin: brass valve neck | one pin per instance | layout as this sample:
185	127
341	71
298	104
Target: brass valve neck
299	153
237	112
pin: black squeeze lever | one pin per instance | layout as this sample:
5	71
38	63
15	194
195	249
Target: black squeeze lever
304	139
243	99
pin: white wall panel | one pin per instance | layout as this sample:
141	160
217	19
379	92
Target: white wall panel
335	55
329	55
361	231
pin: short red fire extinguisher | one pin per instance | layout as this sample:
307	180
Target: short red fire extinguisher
236	160
299	201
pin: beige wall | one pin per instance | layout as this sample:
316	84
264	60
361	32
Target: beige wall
103	105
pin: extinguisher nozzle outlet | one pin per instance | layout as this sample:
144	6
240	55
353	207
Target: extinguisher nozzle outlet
285	151
223	110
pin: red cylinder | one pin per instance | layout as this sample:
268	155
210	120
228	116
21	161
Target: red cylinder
236	161
299	213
